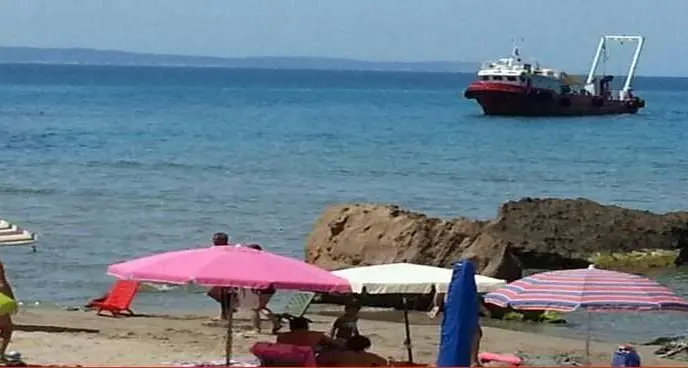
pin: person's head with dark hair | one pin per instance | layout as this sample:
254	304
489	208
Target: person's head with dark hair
358	343
254	246
298	324
352	308
220	239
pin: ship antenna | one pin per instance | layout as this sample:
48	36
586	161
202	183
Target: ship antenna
516	52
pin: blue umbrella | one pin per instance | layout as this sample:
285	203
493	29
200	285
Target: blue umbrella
460	318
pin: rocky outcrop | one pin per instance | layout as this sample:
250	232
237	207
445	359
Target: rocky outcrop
675	347
555	232
529	233
351	235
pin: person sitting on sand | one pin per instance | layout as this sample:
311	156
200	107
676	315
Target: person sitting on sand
346	325
220	294
355	355
300	335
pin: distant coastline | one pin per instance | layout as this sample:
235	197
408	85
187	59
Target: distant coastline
84	56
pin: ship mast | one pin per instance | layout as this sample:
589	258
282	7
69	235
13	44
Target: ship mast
515	53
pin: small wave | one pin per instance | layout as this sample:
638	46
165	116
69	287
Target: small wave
133	164
157	288
120	164
24	190
166	288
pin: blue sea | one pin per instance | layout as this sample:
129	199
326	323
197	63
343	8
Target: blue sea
110	163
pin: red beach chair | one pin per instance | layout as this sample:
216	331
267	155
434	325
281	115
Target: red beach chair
118	299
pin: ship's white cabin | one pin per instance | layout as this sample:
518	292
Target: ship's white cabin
515	70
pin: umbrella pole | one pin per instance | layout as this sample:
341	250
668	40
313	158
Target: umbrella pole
230	322
587	338
407	327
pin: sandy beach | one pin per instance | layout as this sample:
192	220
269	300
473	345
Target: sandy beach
78	337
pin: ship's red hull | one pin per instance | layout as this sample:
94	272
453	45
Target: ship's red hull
513	100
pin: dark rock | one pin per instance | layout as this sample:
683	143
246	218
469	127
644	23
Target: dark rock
675	347
562	233
682	257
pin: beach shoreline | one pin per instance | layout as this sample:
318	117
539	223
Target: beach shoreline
46	336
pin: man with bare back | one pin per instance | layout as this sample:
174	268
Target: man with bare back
219	294
6	326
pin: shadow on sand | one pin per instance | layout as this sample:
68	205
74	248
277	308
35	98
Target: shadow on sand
53	329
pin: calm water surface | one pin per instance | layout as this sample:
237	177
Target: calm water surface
110	163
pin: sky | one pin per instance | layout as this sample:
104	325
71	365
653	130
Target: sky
561	33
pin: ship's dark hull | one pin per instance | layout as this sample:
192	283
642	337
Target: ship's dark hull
507	100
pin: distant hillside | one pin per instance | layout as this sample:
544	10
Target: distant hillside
107	57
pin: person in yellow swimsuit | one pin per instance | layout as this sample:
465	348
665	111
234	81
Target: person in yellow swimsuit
6	326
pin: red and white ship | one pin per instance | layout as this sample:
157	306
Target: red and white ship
512	87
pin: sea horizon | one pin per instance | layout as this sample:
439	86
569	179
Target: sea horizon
91	56
80	56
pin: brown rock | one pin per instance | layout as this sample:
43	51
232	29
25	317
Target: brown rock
535	233
351	235
494	258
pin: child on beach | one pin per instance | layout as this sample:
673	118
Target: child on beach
346	325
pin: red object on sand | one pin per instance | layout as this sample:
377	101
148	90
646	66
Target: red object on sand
510	359
96	302
283	354
118	300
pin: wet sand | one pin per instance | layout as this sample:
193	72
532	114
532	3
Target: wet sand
78	337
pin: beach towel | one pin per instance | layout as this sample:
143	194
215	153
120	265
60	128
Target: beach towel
460	318
235	362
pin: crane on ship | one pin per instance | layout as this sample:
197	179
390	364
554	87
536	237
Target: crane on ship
600	86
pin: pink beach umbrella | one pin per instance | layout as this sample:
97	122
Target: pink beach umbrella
227	266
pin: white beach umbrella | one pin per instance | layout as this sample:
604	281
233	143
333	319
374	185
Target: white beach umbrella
408	278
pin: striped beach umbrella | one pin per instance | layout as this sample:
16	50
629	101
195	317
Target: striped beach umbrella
590	289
